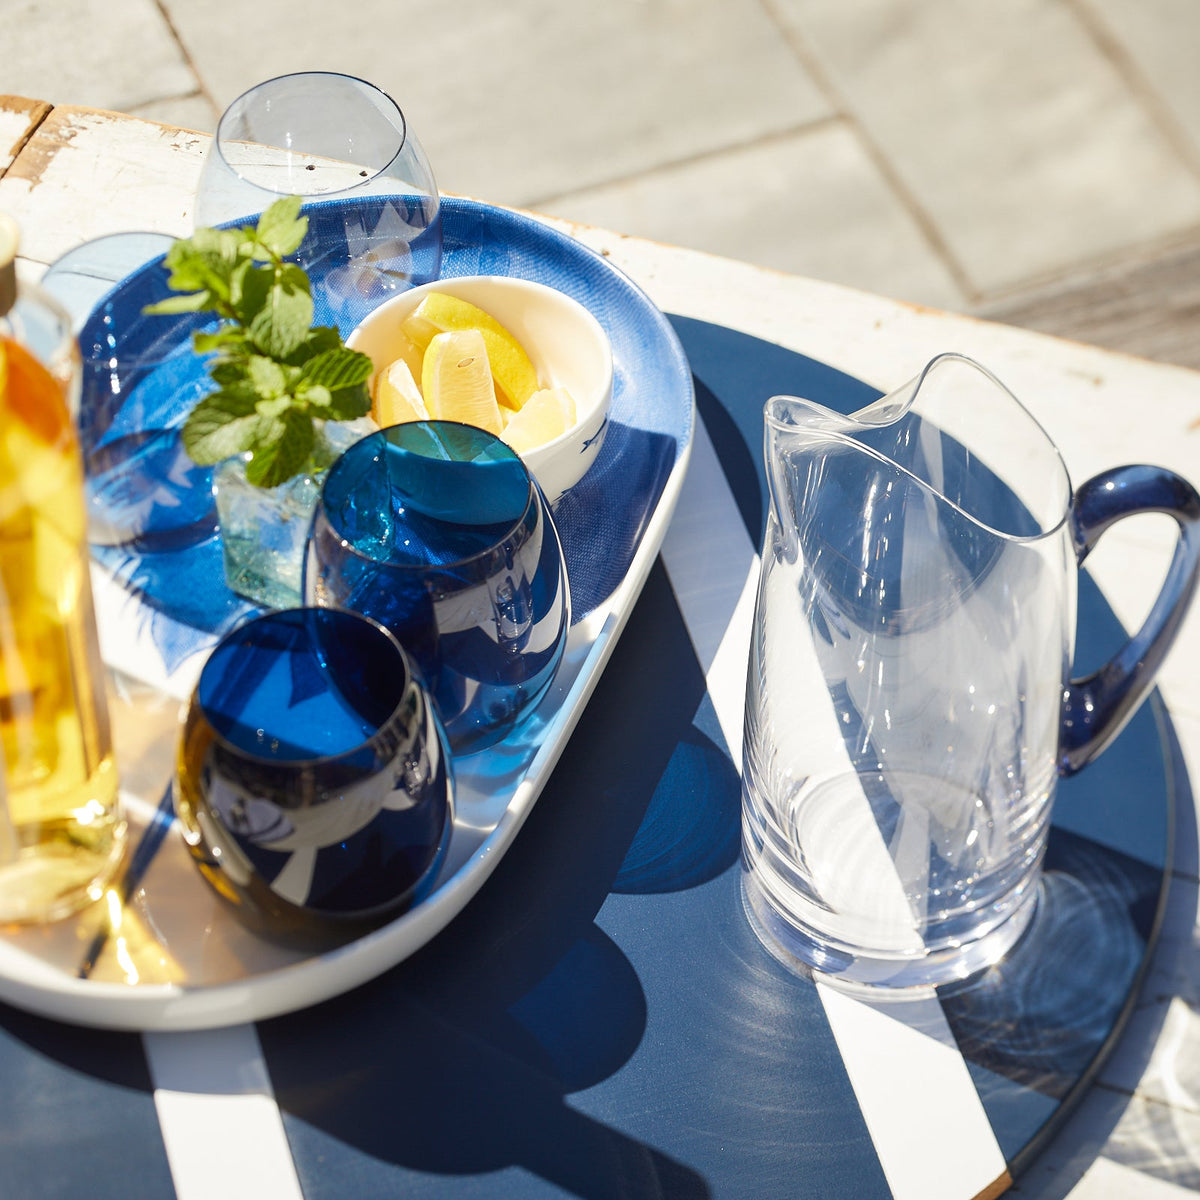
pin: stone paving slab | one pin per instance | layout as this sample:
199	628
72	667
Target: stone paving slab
519	102
114	54
812	203
1007	125
949	152
1159	41
188	112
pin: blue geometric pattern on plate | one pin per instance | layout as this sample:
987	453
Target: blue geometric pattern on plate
184	602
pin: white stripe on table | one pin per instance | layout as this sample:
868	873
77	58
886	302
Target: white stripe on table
912	1085
220	1123
713	568
916	1095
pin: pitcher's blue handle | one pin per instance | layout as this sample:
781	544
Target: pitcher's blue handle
1096	707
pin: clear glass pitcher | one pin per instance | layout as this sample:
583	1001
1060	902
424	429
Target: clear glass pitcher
909	702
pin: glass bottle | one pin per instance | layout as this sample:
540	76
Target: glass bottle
62	834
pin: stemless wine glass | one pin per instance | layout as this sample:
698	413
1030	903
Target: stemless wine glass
437	531
345	147
314	781
140	378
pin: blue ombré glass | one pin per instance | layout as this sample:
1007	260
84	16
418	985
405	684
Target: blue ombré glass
314	782
437	531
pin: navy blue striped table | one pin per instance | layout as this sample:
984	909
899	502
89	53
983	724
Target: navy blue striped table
600	1021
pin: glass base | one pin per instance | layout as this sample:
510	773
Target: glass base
802	951
51	881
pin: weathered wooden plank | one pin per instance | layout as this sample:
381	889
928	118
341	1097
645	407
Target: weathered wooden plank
19	117
1149	308
85	173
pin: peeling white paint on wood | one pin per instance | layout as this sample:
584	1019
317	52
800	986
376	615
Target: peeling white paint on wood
88	173
19	117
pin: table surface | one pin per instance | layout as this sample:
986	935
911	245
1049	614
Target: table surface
83	1110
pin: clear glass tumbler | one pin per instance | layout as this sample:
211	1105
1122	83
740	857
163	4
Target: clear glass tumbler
140	378
368	189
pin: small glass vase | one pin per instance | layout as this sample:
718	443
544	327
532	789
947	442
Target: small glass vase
263	530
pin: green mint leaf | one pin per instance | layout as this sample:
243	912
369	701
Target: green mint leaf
266	376
231	372
315	396
337	368
282	323
274	406
281	229
227	339
221	425
242	271
254	286
294	277
272	369
204	262
319	339
226	245
190	302
346	404
282	445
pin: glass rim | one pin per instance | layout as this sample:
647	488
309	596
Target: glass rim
358	448
390	106
309	612
844	431
103	264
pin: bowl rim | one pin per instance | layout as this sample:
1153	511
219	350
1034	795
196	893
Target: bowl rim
594	414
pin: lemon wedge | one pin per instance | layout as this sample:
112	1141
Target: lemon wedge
515	375
397	397
456	379
546	414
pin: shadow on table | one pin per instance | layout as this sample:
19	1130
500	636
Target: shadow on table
459	1061
1154	1132
1080	994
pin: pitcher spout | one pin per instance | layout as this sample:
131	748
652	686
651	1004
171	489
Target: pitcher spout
954	432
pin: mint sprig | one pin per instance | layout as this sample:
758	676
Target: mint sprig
275	372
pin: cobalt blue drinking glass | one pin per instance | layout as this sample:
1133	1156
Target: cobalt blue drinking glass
314	782
437	531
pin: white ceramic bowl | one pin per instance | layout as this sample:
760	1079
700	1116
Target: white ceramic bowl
564	341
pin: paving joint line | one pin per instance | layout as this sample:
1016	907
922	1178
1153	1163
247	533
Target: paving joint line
1139	84
811	63
687	160
201	87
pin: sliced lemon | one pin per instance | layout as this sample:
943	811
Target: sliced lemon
397	397
515	375
405	348
456	379
545	415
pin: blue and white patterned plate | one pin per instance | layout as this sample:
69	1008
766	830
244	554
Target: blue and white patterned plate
178	959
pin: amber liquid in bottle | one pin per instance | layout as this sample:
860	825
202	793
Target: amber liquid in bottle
61	831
